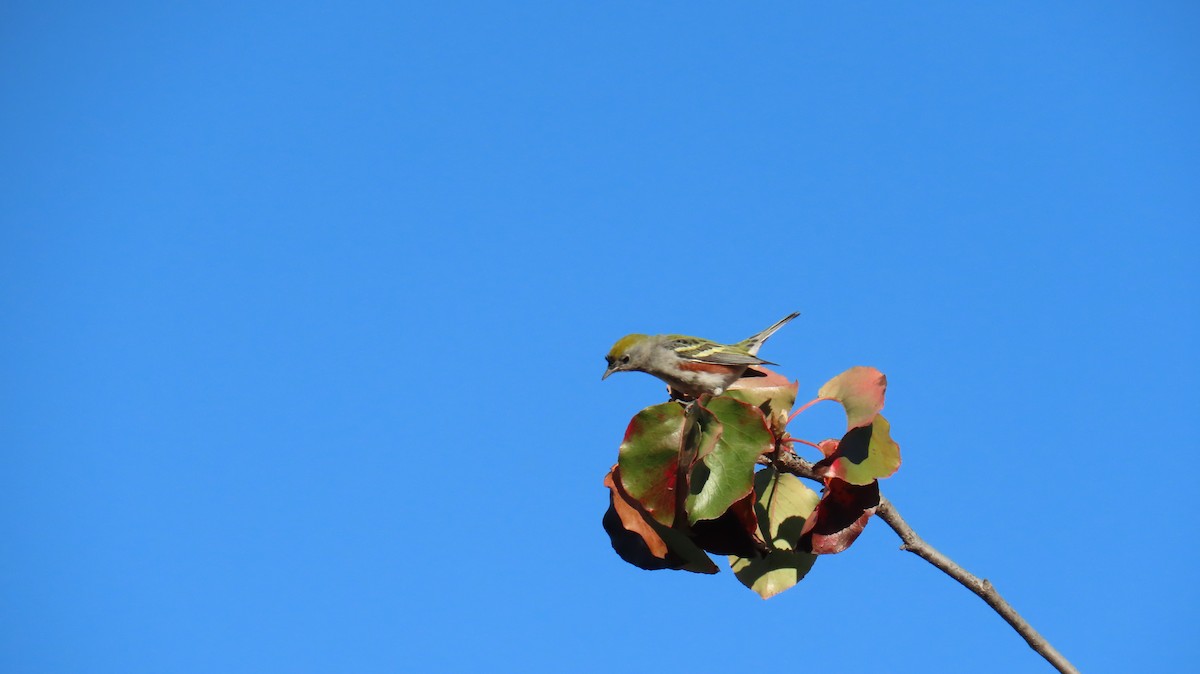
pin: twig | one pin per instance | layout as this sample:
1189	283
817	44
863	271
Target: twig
915	544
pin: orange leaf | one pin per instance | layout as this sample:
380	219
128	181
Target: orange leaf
860	390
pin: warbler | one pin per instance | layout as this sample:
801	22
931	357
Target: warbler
690	365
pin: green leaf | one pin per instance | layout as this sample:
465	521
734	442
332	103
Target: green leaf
702	432
778	571
860	390
863	455
649	459
772	393
724	473
783	505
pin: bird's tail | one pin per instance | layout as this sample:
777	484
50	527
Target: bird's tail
752	344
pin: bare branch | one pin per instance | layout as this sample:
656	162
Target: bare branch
913	543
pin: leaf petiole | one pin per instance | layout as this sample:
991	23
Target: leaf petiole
805	406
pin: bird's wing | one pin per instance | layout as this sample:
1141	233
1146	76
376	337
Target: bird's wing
732	359
704	351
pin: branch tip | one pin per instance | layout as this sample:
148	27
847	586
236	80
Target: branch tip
913	543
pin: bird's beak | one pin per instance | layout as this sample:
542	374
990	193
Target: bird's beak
608	372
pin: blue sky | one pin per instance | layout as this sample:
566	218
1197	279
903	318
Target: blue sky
304	308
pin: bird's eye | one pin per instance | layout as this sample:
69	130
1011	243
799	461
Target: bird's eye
625	359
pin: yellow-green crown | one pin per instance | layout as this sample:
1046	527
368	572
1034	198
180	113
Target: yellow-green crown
624	344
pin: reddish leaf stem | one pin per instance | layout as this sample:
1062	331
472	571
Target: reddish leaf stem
803	407
917	545
803	442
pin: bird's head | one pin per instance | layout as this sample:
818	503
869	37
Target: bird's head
629	353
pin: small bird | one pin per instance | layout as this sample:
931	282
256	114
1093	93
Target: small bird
690	365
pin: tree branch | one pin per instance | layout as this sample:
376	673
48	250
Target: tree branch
913	543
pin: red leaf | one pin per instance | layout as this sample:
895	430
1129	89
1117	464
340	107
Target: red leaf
631	519
644	543
735	532
828	447
840	516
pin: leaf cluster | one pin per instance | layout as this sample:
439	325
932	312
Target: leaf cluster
699	477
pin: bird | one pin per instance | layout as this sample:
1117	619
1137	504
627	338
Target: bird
691	366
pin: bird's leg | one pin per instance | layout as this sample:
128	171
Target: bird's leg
681	397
